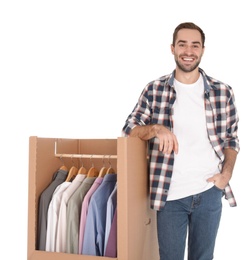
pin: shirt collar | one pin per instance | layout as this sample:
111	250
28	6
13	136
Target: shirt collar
206	80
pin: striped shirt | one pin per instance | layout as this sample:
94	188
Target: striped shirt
155	106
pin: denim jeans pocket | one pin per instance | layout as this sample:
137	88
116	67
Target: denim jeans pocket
219	190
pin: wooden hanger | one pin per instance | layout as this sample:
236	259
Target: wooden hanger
102	172
110	170
93	172
82	170
64	168
72	173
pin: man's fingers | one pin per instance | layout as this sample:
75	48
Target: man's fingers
168	143
176	145
161	145
169	147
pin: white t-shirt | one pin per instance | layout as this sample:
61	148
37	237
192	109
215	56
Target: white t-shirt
196	160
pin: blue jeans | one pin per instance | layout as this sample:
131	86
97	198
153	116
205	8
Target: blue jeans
200	215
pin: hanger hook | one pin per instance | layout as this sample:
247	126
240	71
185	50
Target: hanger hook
72	160
61	159
109	161
81	160
103	160
92	164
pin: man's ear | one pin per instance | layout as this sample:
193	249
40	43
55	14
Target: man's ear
203	50
172	48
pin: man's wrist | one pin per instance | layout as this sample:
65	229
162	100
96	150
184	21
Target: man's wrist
155	130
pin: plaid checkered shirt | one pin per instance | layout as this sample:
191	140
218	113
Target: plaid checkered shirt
155	106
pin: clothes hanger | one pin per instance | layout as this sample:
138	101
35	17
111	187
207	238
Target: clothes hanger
110	169
63	167
103	170
72	173
82	169
93	172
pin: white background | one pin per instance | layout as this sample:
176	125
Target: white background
74	69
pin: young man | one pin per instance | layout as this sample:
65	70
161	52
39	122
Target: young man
190	120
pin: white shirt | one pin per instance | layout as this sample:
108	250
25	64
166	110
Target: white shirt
196	160
62	219
52	216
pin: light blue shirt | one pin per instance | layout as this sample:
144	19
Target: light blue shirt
96	217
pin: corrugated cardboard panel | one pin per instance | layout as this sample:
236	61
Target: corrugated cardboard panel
41	255
137	239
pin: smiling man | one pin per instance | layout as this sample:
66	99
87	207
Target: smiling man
190	121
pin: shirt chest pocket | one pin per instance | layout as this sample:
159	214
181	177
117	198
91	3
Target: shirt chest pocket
162	116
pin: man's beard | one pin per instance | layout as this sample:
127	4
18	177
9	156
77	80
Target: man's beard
187	69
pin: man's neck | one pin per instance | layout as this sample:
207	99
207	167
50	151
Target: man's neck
187	77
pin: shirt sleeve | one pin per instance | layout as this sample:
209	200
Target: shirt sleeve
141	114
232	140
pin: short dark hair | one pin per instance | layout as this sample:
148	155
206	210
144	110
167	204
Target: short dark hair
188	25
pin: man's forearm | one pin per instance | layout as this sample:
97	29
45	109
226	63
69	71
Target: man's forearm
145	132
229	162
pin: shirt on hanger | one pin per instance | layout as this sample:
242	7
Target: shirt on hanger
44	201
84	210
111	206
94	235
52	216
73	215
62	223
111	247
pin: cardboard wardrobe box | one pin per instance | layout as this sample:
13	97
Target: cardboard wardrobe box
136	222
